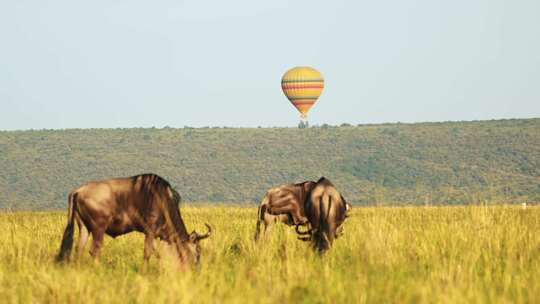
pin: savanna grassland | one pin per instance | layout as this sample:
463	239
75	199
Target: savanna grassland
463	254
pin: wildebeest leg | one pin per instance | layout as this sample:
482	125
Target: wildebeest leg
267	228
148	249
260	218
97	242
83	238
265	218
257	230
264	230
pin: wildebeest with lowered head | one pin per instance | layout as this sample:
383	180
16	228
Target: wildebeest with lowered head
146	203
326	210
283	204
286	204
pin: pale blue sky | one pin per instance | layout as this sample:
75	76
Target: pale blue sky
102	64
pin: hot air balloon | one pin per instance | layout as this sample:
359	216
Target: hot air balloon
302	86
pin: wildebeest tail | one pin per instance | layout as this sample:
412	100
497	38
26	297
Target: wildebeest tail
67	239
260	216
325	205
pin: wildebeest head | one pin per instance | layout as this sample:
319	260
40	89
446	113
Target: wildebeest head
193	246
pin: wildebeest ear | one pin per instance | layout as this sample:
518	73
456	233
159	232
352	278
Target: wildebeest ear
193	236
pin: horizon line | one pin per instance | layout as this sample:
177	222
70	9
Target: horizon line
323	125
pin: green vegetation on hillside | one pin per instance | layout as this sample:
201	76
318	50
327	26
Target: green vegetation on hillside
426	163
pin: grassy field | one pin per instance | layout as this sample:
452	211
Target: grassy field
387	255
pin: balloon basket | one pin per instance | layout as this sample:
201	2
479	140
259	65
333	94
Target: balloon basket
303	122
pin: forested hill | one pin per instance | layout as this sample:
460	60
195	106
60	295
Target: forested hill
451	162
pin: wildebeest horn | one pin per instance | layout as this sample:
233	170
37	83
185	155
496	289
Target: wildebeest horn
304	238
302	232
207	234
340	231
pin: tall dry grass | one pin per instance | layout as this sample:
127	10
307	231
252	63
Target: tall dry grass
387	255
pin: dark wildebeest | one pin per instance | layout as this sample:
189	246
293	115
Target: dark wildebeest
286	204
326	210
146	203
283	204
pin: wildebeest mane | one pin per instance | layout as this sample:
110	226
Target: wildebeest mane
150	183
322	178
154	189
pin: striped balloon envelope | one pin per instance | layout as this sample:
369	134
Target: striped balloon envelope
302	86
